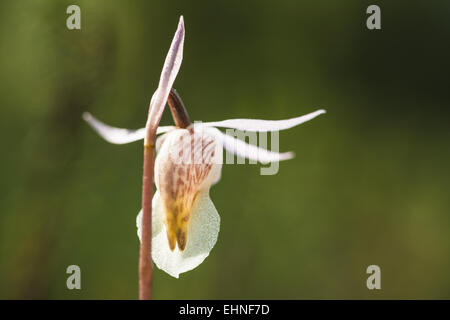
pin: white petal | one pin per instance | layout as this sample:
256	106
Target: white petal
264	125
119	135
245	150
170	70
203	231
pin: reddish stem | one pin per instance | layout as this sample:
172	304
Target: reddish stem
181	119
145	261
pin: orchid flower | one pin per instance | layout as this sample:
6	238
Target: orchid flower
185	222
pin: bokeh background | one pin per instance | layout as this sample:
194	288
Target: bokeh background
369	184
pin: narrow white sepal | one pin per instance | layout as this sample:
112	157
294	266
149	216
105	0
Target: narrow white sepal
264	125
119	135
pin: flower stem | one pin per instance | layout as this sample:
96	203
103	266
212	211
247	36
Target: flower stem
145	258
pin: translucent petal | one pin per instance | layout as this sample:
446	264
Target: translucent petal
245	150
119	135
157	217
203	231
264	125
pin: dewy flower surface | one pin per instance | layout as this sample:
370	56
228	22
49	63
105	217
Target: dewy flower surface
185	223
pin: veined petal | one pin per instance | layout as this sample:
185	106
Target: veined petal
264	125
245	150
203	231
119	135
188	162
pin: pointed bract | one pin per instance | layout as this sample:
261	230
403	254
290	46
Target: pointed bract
169	73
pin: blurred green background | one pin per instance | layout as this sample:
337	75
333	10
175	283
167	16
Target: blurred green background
369	184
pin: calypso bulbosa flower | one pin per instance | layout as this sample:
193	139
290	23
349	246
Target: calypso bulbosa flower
185	222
